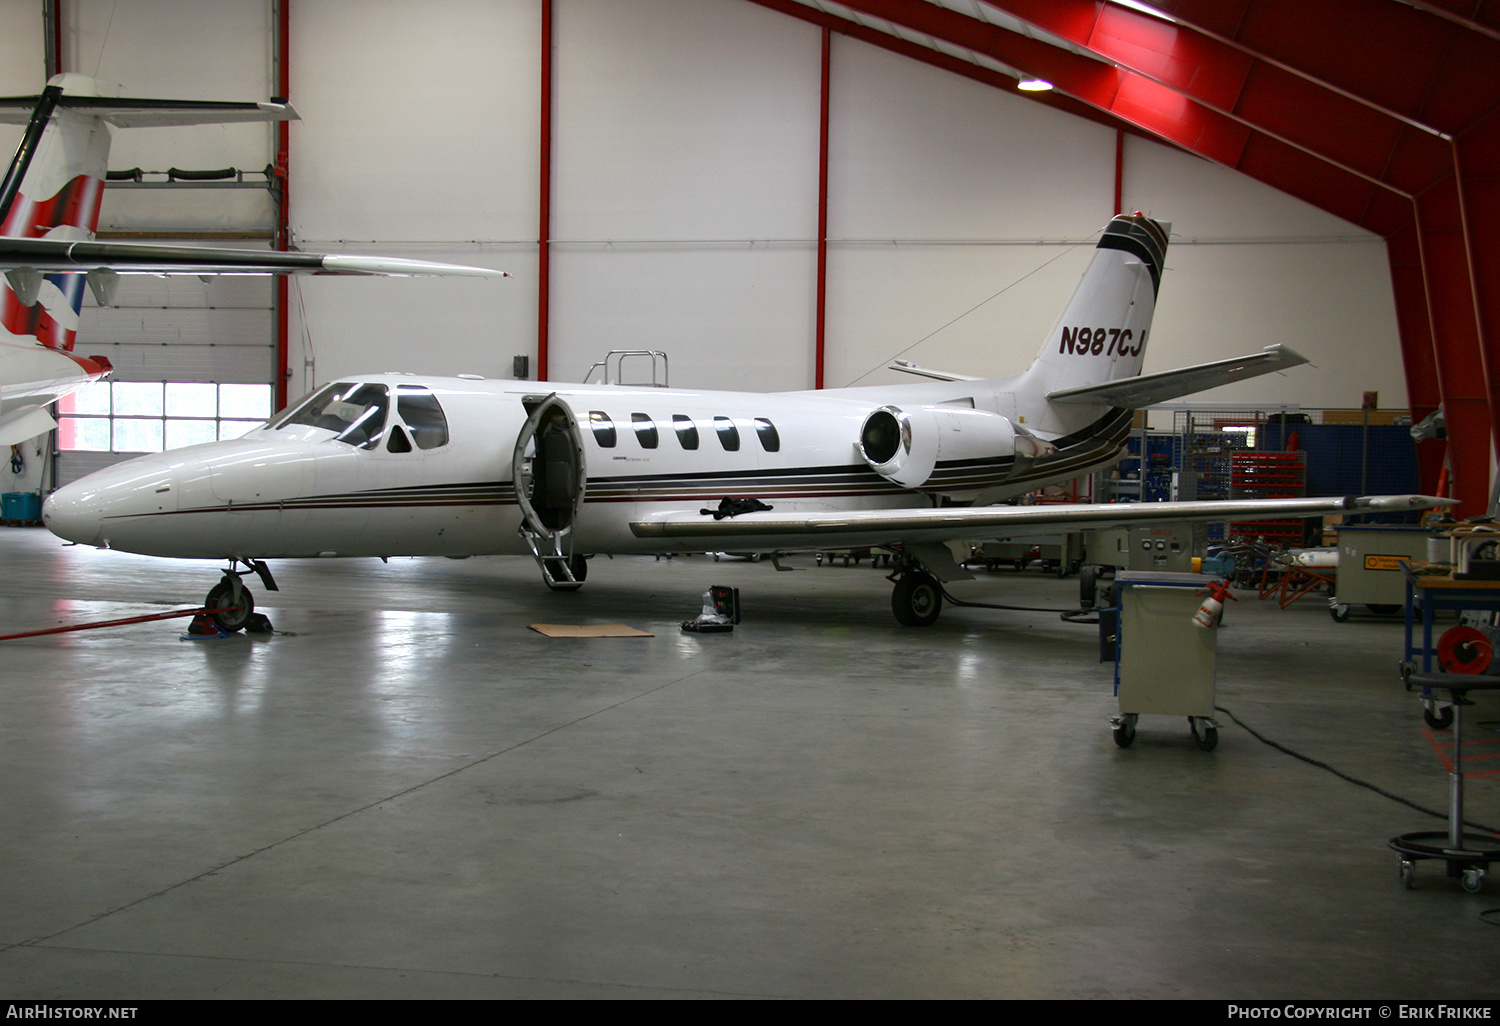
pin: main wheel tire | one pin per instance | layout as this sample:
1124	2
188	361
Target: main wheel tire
219	602
1088	586
917	599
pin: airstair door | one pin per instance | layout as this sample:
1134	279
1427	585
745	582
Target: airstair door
550	476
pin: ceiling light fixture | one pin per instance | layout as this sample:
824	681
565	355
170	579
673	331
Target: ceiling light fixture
1034	85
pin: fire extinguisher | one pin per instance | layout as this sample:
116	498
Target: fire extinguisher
1208	613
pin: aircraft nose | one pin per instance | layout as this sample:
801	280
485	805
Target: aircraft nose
74	513
107	508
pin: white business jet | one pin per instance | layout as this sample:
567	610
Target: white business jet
394	464
49	210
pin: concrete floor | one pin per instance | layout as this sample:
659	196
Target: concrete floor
409	794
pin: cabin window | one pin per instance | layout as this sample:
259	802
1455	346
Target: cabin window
729	435
398	442
687	432
770	440
604	429
645	430
423	415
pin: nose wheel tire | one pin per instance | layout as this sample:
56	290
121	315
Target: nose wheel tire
229	613
917	599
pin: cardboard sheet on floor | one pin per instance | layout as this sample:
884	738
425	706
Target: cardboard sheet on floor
596	630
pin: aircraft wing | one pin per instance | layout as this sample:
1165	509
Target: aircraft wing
131	112
1149	389
50	256
862	528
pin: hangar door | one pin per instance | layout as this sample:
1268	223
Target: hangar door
193	361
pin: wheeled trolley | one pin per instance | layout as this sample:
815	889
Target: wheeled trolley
1163	663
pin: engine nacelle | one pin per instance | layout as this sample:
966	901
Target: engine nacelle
905	446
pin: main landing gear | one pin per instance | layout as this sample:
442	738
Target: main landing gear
918	597
229	603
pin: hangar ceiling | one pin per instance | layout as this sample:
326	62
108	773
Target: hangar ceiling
1382	112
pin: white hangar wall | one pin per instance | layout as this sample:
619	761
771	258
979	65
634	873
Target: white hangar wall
684	207
685	190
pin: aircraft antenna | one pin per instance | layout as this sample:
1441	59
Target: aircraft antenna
1035	270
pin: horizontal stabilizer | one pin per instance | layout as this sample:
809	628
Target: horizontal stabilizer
907	367
60	255
125	112
881	527
1149	389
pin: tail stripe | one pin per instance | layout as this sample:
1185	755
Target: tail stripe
76	204
1140	237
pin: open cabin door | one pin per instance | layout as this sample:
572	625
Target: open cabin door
550	476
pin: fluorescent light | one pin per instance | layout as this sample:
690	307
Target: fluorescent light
1135	5
1034	85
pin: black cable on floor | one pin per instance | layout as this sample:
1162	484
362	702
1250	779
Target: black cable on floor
1066	613
1353	780
1488	914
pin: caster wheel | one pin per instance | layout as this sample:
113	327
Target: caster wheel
1338	611
1473	880
1125	730
1440	719
1204	733
1408	874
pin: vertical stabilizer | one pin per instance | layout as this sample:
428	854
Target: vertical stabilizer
61	185
1101	335
55	185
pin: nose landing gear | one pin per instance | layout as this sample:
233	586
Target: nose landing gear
229	603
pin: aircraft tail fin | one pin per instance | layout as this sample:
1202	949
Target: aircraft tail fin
55	184
1101	335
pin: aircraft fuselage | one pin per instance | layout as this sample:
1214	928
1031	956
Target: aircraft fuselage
298	490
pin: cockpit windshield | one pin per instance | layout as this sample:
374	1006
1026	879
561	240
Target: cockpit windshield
355	413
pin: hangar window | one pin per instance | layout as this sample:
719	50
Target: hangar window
149	416
645	430
729	435
604	428
423	416
770	439
687	432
